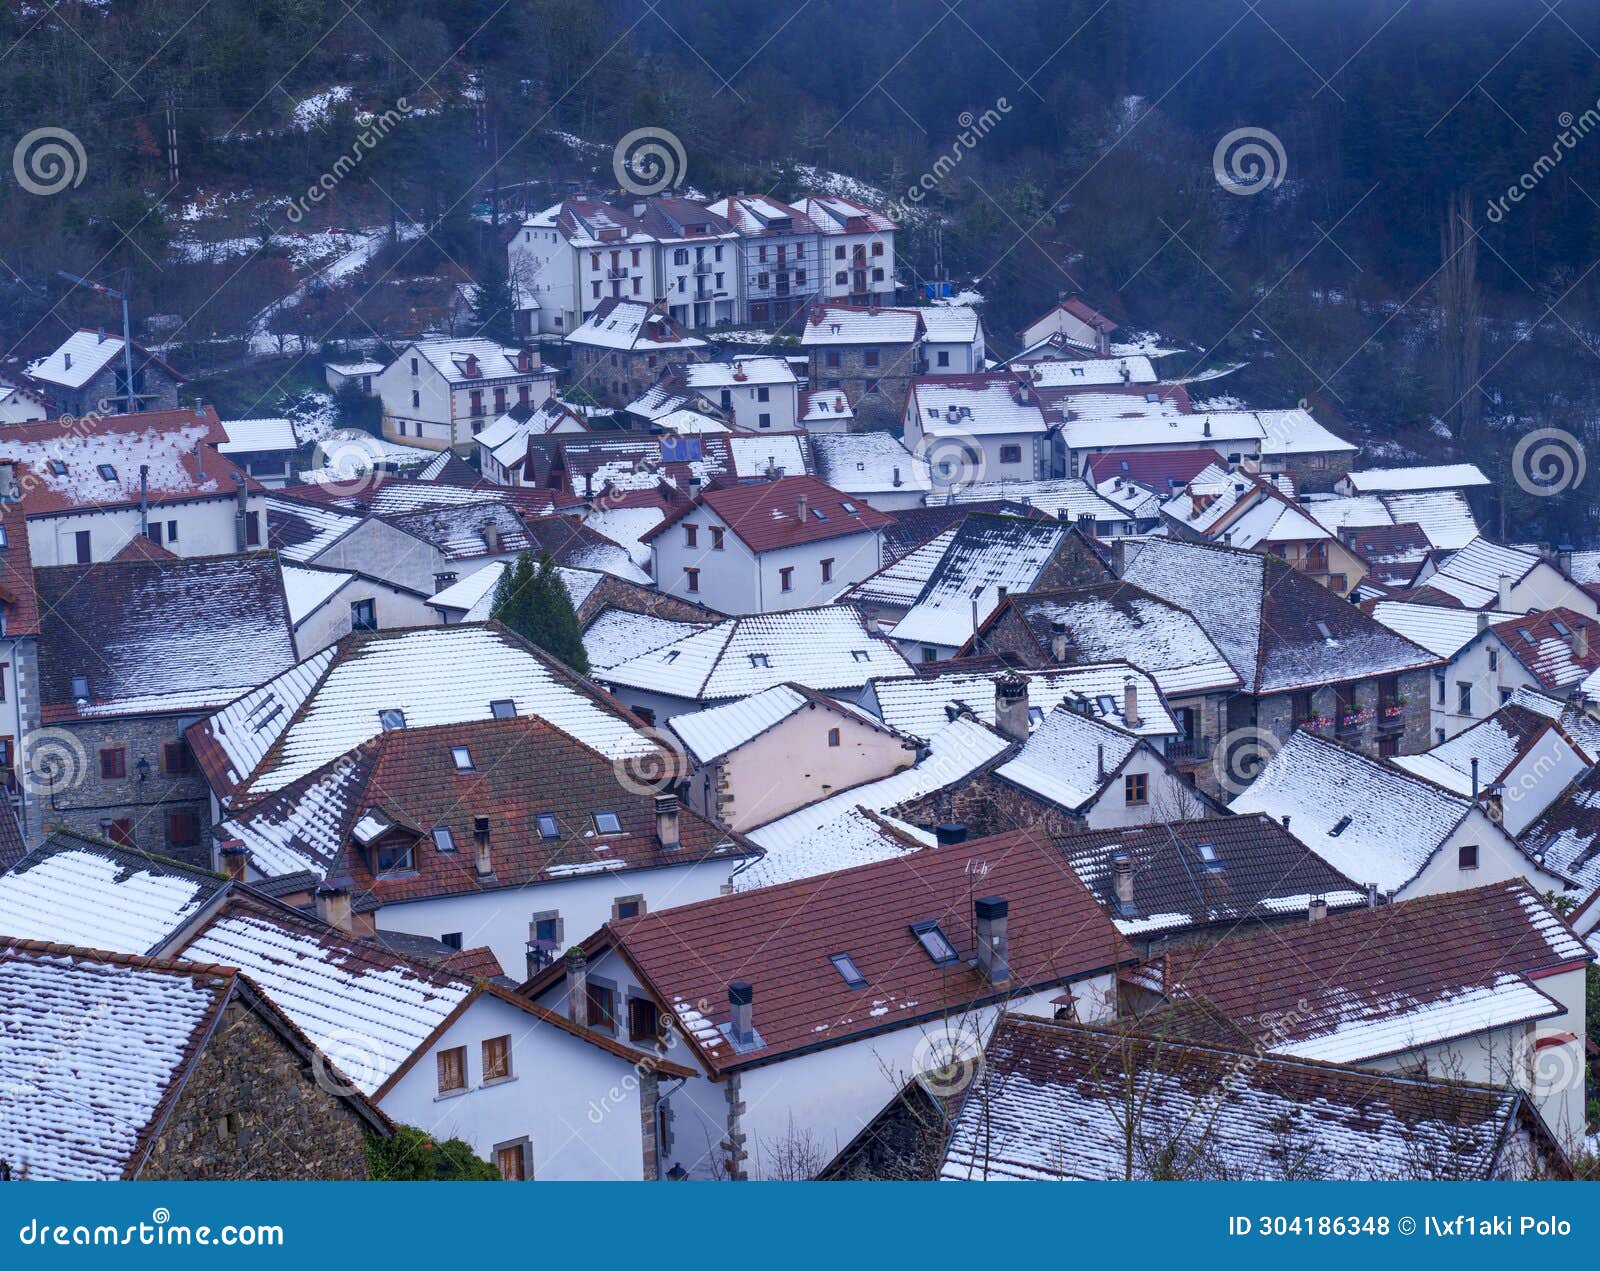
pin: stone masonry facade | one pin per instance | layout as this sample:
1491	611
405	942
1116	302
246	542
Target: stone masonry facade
252	1109
855	374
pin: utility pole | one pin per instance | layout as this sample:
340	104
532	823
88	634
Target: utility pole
127	331
172	136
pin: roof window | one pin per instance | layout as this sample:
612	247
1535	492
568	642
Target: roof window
1207	853
443	839
608	822
503	708
547	826
392	719
461	756
1339	827
845	965
58	467
759	659
107	472
934	942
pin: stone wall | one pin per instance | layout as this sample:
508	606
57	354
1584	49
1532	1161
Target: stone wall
986	805
896	365
251	1109
88	802
1275	714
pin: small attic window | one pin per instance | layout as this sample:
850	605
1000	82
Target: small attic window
503	708
1339	827
934	942
461	756
547	826
1322	630
107	472
933	412
608	823
1561	628
1108	704
80	686
443	840
759	659
58	468
1207	853
1152	397
819	514
860	655
1526	634
392	719
671	655
1035	715
845	965
850	508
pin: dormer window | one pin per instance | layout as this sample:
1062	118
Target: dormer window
396	859
461	756
934	942
392	719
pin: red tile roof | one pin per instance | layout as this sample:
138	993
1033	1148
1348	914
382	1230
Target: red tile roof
1161	470
779	939
1551	656
766	516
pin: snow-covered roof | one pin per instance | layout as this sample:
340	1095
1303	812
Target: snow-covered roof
831	834
826	648
782	454
248	436
309	589
1071	496
1444	515
712	733
1473	574
835	214
920	704
868	463
853	324
451	358
975	406
1338	511
302	531
820	405
330	703
77	891
78	359
1441	629
740	372
951	324
630	325
1371	821
1092	372
93	1051
1069	758
1446	476
688	423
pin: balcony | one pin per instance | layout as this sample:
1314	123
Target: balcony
703	266
618	272
1189	749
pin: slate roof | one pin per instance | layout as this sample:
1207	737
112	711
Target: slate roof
715	732
1447	476
1069	759
1258	872
1374	983
1566	835
778	939
1280	629
911	527
836	324
868	463
1161	470
89	353
160	635
1472	575
1053	1107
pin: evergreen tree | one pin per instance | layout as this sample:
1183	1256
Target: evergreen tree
532	600
494	310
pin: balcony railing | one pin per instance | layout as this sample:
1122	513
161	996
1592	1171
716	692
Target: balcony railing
1189	749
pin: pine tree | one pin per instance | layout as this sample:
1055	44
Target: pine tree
494	309
532	600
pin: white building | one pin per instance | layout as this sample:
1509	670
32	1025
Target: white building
954	343
440	393
857	249
972	428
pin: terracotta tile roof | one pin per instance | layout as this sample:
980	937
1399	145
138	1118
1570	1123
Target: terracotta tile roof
780	938
142	547
1369	982
18	592
766	516
912	527
1548	644
1161	470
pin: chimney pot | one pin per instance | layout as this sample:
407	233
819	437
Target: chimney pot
1318	909
741	1012
333	903
234	859
1122	879
990	913
667	831
1011	706
480	838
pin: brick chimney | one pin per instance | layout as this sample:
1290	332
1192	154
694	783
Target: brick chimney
801	508
1122	880
1130	702
333	903
1058	640
993	948
667	832
1011	706
480	838
235	857
578	987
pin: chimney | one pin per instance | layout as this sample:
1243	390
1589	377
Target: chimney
872	624
1130	702
144	498
1058	640
491	537
1100	762
241	515
480	837
1011	706
1483	620
1205	428
949	833
897	478
1372	895
66	361
1580	640
667	822
333	903
741	1013
1474	778
1505	592
1318	909
100	335
990	913
234	858
1122	879
802	508
578	987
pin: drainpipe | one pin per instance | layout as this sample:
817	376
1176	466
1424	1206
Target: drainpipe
144	499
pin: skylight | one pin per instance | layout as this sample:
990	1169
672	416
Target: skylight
547	826
934	942
443	839
1561	628
392	719
80	686
462	757
819	514
58	468
503	708
1322	630
107	472
1208	857
759	659
608	822
1339	827
850	507
860	655
845	965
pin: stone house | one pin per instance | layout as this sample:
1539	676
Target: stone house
623	346
88	375
870	354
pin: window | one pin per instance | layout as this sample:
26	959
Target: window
443	840
496	1058
252	529
602	1007
716	538
691	536
1494	659
644	1020
827	570
113	763
627	906
548	829
929	653
452	939
452	1070
81	547
80	686
877	249
363	615
511	1159
760	660
1467	856
691	579
461	756
175	758
832	358
503	708
1464	697
1438	684
934	942
107	472
607	823
786	578
392	719
845	965
396	859
1010	454
833	737
119	831
869	357
1339	827
182	828
416	401
764	420
1135	788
